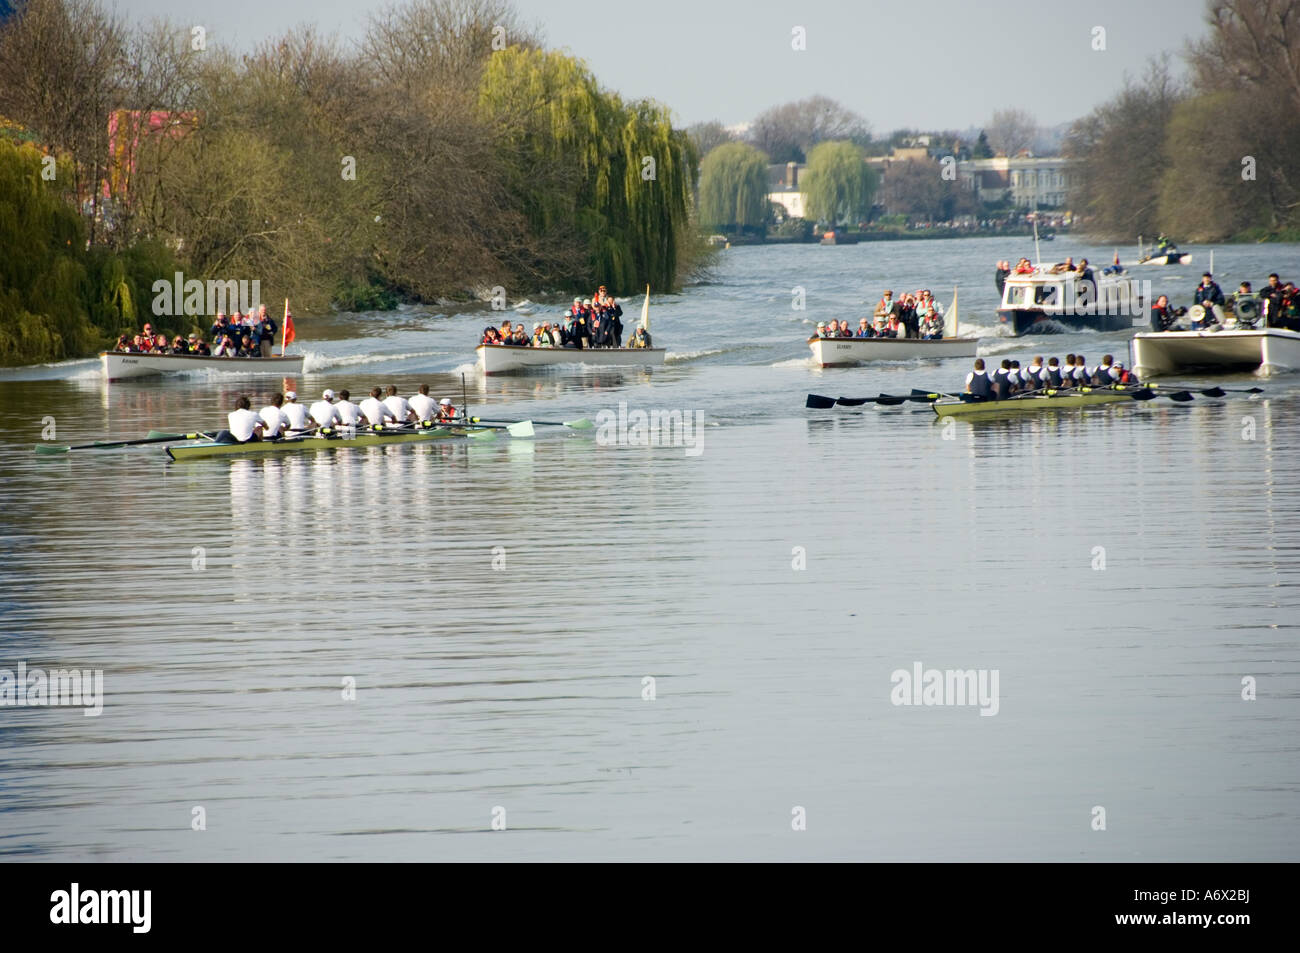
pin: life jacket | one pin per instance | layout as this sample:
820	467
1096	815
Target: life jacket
1054	376
980	385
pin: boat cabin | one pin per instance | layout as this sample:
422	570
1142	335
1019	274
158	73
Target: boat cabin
1107	303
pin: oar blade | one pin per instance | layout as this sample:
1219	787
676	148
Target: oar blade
581	423
1143	393
1181	396
50	449
852	401
1214	392
817	402
481	434
522	429
887	400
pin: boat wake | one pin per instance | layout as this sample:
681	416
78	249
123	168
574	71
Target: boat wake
316	361
674	356
78	369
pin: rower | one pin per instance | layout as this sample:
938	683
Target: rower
446	410
276	423
399	406
245	426
1105	373
423	404
1082	376
324	413
295	411
978	383
1002	381
1052	376
1036	375
375	410
349	413
1067	372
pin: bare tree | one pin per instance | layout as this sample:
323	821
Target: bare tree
1010	131
1253	42
787	132
709	135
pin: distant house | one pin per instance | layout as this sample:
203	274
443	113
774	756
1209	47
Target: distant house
1032	181
783	187
127	128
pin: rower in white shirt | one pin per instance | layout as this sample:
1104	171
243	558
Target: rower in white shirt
349	413
1106	373
1082	372
423	405
374	409
295	411
323	411
244	424
274	418
399	406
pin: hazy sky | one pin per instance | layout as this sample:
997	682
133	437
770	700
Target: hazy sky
916	63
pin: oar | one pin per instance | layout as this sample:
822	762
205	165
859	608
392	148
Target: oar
1220	391
582	423
156	437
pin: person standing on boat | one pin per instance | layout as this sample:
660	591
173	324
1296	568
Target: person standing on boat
978	383
295	411
220	327
1000	275
884	308
244	425
1270	297
266	331
273	418
323	412
349	413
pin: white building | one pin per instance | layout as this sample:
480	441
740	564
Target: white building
1033	182
783	185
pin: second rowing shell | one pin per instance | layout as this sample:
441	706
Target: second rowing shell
208	449
505	358
1030	404
840	352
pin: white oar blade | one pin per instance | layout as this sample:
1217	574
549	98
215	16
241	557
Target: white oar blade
580	424
522	429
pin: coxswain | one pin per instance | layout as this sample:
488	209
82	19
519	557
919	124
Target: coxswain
399	406
245	426
446	410
323	412
978	383
1002	381
349	413
375	410
295	411
274	420
424	405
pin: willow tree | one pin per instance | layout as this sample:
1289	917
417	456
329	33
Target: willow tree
838	186
733	187
589	168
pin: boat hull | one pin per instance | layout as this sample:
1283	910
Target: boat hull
1029	405
1181	258
1038	321
119	366
1265	350
207	450
507	358
843	352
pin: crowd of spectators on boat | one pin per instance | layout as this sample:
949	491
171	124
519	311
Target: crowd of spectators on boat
239	335
595	322
914	315
1277	305
1056	375
1082	271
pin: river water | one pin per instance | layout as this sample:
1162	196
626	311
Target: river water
659	653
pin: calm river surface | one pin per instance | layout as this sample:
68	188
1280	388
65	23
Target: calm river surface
499	606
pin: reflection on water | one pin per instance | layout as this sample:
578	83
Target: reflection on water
499	607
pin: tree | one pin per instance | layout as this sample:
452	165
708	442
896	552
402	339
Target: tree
919	191
982	149
1010	131
787	132
733	187
1119	155
1254	43
708	135
838	185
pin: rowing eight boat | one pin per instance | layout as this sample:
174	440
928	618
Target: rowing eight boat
206	449
1030	403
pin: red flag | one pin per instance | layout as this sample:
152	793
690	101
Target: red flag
287	328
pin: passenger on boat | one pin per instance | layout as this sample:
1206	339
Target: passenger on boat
1064	266
266	331
578	331
274	420
490	336
197	345
295	411
884	308
1207	293
244	425
1000	275
864	329
399	406
179	346
614	312
1024	267
520	336
220	327
1162	316
323	413
893	328
349	413
123	344
1290	307
446	410
641	338
1271	298
1115	268
602	332
377	413
977	381
148	336
1085	274
932	327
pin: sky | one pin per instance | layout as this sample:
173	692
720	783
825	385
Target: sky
928	64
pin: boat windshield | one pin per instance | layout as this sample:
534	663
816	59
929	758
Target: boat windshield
1017	295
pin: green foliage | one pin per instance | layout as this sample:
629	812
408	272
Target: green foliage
838	186
796	228
733	187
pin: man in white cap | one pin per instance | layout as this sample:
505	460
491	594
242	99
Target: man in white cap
821	329
295	411
274	419
424	405
446	410
323	412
